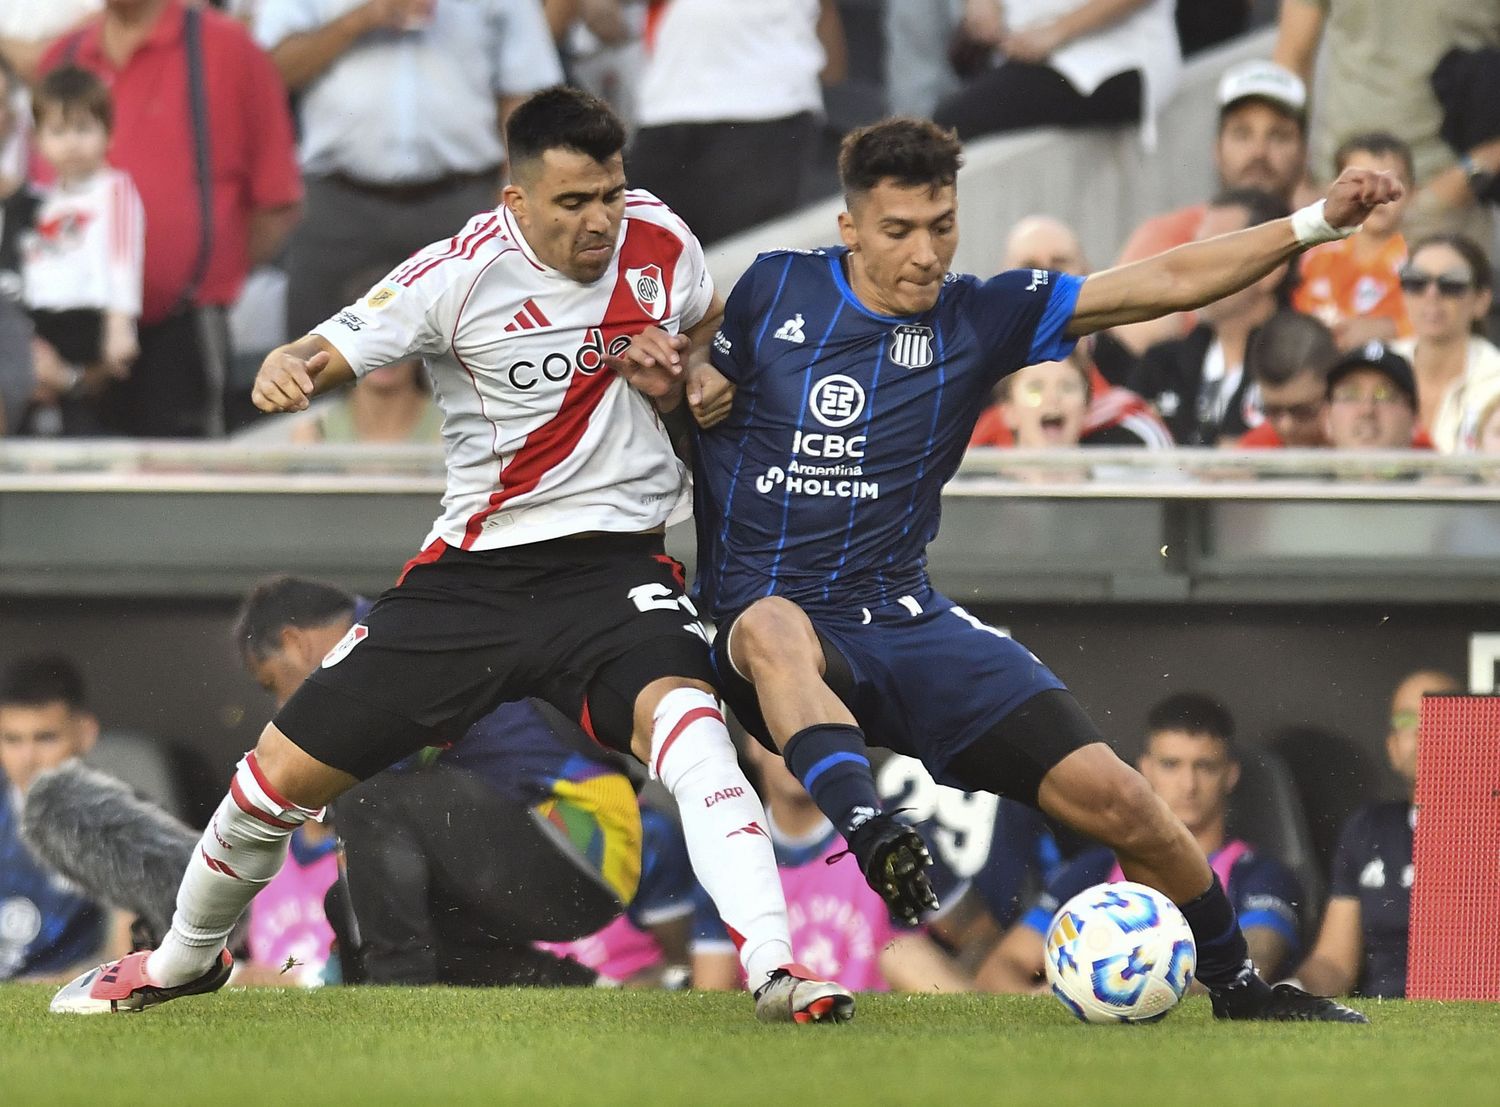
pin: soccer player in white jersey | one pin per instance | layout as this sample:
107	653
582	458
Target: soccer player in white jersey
545	575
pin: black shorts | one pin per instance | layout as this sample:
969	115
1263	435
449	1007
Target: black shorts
582	623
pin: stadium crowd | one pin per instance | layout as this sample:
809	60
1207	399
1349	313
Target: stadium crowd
310	147
160	160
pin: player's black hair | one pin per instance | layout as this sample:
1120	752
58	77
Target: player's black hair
563	118
73	89
1261	207
1379	143
908	151
286	601
43	679
1195	713
1287	344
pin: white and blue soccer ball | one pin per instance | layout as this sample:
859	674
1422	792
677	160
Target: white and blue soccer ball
1120	952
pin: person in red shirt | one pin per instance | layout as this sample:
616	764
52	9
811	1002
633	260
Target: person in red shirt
1355	285
192	273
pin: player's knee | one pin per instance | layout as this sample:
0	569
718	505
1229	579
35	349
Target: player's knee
1133	819
295	776
774	633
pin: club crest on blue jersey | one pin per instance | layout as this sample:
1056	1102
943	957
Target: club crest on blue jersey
911	346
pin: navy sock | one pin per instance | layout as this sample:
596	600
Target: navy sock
1223	957
833	764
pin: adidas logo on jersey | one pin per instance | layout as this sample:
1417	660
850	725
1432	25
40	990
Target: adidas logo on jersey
528	318
791	330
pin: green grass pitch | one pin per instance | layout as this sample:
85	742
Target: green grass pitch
370	1046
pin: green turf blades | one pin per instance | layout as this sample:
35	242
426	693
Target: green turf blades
375	1046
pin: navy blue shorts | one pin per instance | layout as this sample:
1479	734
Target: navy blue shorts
925	678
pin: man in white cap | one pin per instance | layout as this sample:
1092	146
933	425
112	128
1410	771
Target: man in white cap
1261	144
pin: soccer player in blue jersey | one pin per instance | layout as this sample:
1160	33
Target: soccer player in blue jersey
860	370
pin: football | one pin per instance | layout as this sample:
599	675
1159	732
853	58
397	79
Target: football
1120	952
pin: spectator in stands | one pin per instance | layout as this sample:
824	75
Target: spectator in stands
729	106
1201	25
1361	945
241	170
1354	284
47	930
1115	415
1189	759
1080	63
839	926
919	47
604	49
401	104
1261	144
1198	383
1287	360
1044	404
1447	283
451	873
17	210
1487	425
1381	55
1372	401
83	258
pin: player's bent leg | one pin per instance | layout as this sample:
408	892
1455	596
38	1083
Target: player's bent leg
774	646
1093	791
680	730
241	850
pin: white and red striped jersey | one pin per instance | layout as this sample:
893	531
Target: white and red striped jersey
87	247
542	440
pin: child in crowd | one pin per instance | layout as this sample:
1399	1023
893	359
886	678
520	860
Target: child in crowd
1354	285
82	263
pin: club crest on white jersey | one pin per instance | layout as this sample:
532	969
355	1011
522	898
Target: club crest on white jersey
649	290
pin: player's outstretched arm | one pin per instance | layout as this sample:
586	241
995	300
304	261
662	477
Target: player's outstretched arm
1199	273
292	374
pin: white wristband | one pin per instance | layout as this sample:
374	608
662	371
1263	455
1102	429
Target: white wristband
1311	228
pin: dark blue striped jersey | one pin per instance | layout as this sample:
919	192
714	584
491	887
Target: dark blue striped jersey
823	484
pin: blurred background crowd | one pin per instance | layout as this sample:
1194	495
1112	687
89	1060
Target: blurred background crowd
185	187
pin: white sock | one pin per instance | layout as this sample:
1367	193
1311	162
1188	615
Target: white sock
240	852
725	827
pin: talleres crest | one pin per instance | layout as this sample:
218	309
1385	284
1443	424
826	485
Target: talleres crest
911	346
649	289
